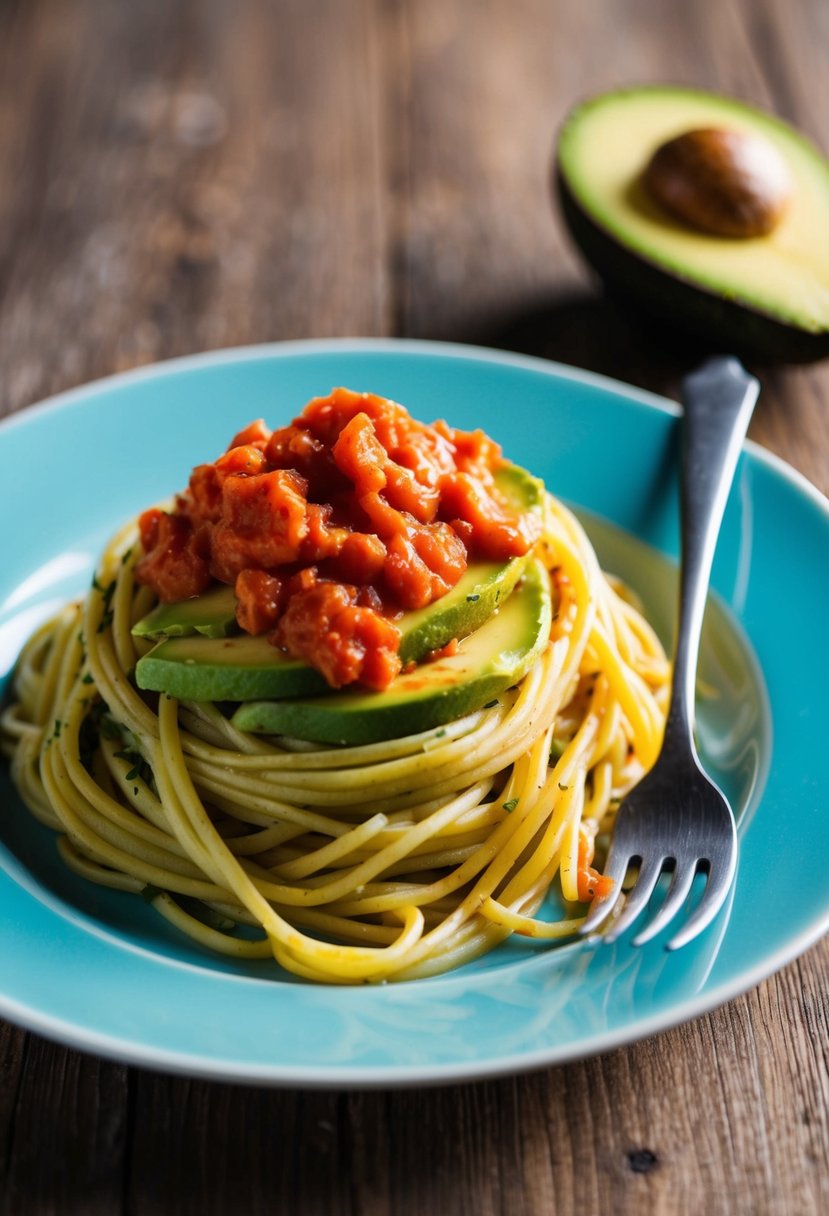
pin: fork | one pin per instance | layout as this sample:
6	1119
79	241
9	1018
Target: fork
677	818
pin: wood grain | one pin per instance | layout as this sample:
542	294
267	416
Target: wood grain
176	176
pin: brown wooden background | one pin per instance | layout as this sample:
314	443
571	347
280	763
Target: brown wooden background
177	175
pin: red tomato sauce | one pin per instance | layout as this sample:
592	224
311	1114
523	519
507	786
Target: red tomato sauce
591	883
329	528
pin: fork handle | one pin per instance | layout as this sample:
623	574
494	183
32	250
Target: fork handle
718	401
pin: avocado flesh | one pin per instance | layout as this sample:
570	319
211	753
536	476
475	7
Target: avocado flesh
212	614
768	294
245	668
239	668
488	661
217	667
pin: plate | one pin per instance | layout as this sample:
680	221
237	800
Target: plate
97	970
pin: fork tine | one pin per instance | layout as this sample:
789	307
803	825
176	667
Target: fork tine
638	897
615	869
681	883
713	897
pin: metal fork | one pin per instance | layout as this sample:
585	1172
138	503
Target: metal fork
676	818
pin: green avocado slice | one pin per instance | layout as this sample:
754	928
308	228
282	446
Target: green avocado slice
245	668
766	295
488	661
239	668
218	667
212	614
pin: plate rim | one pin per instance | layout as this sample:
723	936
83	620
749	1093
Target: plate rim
128	1050
426	346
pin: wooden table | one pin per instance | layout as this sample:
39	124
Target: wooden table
176	176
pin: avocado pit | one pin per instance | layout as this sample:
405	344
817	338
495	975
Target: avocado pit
724	182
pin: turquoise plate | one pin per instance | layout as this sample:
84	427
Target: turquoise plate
97	970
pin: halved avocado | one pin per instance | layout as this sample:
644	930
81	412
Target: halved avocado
766	295
217	667
488	661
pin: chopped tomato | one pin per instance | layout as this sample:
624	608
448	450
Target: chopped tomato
263	522
173	566
245	459
258	600
256	433
494	534
361	559
203	501
324	625
360	455
322	539
406	493
591	884
329	527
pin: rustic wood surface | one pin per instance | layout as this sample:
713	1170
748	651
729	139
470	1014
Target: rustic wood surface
177	175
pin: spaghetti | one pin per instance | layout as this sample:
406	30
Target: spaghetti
391	860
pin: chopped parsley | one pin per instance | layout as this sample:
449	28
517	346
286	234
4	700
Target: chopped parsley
510	804
110	729
557	750
140	768
106	593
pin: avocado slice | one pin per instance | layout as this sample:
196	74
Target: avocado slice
217	667
488	661
245	668
238	668
212	614
461	610
767	295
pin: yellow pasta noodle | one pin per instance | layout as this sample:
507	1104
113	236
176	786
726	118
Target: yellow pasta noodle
345	864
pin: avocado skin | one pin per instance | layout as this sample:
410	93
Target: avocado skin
726	325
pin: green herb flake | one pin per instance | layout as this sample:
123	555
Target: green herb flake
440	734
472	599
110	728
557	750
491	704
88	678
207	915
510	805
